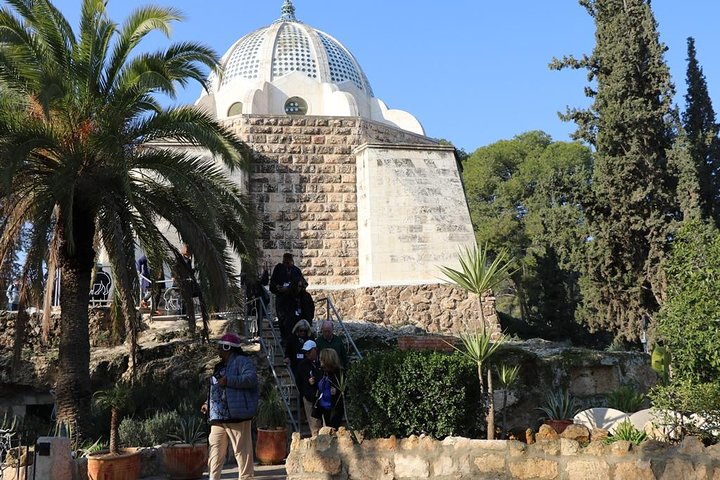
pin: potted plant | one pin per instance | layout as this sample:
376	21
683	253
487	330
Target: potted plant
559	410
186	456
271	446
115	463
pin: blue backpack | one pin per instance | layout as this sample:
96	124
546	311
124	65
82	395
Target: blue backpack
325	398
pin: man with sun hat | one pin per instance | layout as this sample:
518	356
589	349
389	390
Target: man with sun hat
231	404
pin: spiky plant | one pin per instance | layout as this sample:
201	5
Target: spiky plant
507	376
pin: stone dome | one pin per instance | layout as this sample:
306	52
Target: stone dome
289	67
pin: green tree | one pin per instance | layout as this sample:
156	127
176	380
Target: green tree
631	205
524	196
702	134
688	320
78	115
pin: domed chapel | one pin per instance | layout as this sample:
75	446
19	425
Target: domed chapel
368	205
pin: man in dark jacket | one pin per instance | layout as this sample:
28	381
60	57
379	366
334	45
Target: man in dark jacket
283	277
308	374
231	404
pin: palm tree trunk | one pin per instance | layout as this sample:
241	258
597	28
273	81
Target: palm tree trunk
72	386
491	407
114	424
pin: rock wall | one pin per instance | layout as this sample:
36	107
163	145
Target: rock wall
434	308
336	456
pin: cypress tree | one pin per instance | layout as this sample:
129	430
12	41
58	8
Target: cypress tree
631	204
702	135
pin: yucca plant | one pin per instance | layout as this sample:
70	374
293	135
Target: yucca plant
625	399
627	431
270	412
559	405
477	275
190	430
507	376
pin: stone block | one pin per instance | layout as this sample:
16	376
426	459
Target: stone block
411	466
569	447
444	466
547	447
371	467
546	432
534	468
677	468
588	470
692	446
314	463
637	470
576	432
620	448
490	463
599	434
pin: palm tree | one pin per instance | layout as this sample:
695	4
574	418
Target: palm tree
507	376
116	398
80	165
478	276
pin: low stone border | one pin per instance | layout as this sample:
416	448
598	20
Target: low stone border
334	455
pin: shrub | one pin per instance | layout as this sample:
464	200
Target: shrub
161	426
697	404
404	393
625	399
132	433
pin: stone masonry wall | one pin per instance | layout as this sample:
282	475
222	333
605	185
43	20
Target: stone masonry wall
303	183
336	456
438	308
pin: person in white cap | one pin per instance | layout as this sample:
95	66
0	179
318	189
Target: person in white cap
231	405
308	374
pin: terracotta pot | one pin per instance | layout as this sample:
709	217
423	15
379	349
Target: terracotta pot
559	425
271	447
104	466
185	462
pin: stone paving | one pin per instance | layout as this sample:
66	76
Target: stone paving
230	472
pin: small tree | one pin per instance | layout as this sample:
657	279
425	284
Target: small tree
116	398
478	276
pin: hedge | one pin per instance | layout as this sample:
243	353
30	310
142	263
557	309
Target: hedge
404	393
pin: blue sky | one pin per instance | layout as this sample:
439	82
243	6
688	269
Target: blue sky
472	71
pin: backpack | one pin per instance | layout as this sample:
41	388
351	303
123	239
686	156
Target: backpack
324	397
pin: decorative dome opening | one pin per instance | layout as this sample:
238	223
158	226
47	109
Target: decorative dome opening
235	109
296	106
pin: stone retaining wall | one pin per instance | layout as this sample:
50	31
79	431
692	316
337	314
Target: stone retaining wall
336	456
438	308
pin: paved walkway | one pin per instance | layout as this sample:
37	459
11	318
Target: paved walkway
265	472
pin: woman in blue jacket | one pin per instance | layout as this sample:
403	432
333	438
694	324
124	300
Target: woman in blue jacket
231	404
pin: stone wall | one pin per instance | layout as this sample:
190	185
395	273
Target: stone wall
438	308
336	456
303	183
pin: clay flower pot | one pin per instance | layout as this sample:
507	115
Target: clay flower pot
183	461
105	466
559	425
271	447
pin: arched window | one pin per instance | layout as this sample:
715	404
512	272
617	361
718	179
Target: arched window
296	106
235	109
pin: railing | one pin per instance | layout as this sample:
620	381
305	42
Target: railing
269	350
10	442
332	315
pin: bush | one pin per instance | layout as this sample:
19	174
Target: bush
698	404
627	431
404	393
132	433
161	427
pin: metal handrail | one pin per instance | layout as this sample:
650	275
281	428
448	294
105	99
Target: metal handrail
269	355
335	316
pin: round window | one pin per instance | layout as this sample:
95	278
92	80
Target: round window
235	109
296	106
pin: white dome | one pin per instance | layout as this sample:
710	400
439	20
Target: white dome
289	67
